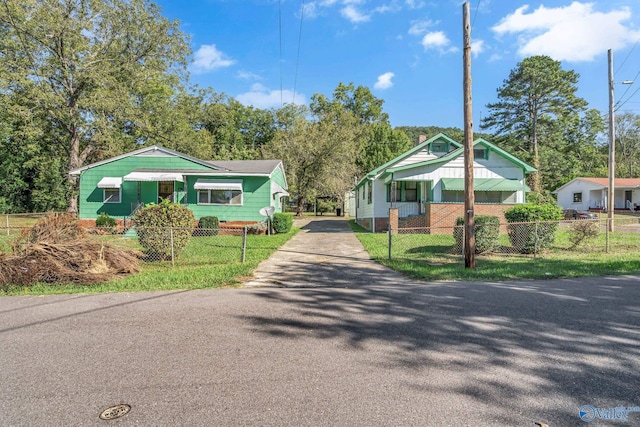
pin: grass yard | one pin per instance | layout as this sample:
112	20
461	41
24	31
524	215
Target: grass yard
206	262
430	257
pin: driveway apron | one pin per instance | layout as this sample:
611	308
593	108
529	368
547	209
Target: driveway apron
325	253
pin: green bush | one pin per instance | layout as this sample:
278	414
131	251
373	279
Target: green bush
209	225
324	207
487	231
106	222
282	222
527	236
154	224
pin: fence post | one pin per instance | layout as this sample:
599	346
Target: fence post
7	217
607	236
535	240
244	243
462	242
389	245
172	251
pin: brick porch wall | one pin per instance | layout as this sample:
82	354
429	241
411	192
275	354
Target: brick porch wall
445	214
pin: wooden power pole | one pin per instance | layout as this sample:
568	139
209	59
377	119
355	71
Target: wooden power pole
612	148
469	220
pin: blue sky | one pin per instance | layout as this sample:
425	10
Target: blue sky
408	52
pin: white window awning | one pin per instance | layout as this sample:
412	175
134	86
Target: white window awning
154	176
218	184
277	189
110	182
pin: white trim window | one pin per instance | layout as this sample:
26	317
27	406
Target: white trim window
111	195
111	189
220	197
577	197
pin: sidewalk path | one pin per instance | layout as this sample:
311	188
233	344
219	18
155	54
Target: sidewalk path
325	253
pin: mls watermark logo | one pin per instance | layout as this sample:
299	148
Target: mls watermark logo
589	413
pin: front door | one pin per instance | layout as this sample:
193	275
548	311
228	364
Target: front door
165	191
627	199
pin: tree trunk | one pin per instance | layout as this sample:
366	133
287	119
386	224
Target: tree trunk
536	181
74	163
300	206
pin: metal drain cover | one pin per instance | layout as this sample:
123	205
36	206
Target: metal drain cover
115	412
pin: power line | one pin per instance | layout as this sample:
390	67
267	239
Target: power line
631	96
476	13
295	79
628	55
628	89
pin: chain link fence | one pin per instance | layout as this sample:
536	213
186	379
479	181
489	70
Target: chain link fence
177	246
534	239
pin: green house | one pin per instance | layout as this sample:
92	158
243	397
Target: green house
233	190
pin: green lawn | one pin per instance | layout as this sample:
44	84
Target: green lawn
431	257
206	262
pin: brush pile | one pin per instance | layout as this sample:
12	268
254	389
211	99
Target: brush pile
57	250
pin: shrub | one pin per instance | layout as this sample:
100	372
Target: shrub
154	224
258	228
487	231
282	222
325	207
106	222
583	231
209	226
527	236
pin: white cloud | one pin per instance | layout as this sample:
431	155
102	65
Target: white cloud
209	58
384	81
248	75
573	33
262	97
354	15
477	47
418	28
438	40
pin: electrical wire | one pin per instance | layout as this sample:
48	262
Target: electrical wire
476	13
620	103
631	96
295	79
628	55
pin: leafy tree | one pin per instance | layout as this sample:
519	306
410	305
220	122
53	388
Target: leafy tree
359	101
382	145
535	105
85	67
628	145
318	155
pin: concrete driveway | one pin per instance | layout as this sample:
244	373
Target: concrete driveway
406	354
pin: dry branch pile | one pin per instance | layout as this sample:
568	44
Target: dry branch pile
56	250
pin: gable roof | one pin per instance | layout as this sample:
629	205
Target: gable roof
407	154
150	149
604	182
218	167
460	151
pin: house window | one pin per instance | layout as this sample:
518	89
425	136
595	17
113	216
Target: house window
577	197
220	197
450	196
369	192
111	195
439	147
479	153
411	191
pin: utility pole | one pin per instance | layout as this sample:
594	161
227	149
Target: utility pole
469	220
612	148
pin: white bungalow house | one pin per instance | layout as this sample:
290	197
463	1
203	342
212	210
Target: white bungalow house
426	184
591	193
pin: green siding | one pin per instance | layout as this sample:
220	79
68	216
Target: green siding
91	196
278	177
256	190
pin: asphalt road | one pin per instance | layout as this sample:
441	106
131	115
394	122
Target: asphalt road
441	354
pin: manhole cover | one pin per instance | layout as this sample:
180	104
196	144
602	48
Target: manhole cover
115	412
